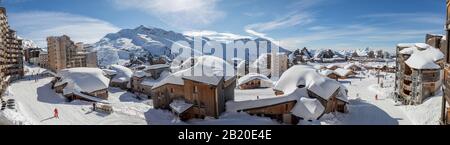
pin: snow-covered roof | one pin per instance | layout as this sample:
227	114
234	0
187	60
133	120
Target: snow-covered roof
415	48
207	69
123	73
157	66
291	83
423	56
318	66
406	45
151	82
425	59
343	72
83	79
265	81
308	109
140	74
330	66
321	86
252	104
326	72
109	72
343	94
305	75
180	106
293	77
350	65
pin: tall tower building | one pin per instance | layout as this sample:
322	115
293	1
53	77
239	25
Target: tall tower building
11	55
64	53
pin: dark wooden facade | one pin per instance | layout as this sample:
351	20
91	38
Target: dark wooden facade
333	104
280	112
253	84
208	100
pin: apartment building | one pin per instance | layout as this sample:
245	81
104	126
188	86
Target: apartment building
11	56
64	53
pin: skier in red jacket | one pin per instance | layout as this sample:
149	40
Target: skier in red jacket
56	115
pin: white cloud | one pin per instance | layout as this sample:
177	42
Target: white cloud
293	19
180	13
38	25
217	36
284	22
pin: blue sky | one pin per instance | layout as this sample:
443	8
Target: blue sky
339	24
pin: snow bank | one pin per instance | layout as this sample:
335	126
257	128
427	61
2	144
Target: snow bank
427	113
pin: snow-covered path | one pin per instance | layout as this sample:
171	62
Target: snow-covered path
366	110
37	101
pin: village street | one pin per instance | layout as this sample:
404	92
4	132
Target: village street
365	109
37	101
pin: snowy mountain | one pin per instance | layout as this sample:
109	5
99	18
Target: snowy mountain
28	44
117	47
328	53
143	41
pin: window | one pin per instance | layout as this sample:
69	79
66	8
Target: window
195	89
301	86
171	90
